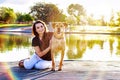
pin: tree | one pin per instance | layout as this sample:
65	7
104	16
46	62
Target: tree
28	18
24	18
118	19
7	15
112	21
103	23
47	12
71	20
76	10
20	17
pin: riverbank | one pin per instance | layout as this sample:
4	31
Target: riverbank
72	70
13	25
69	30
27	29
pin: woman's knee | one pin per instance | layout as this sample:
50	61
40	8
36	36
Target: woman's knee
27	65
39	66
42	65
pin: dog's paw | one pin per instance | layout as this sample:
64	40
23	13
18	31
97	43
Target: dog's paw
59	69
52	69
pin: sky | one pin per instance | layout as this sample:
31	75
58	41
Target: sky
96	7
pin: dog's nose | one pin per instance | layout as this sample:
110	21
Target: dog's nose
58	29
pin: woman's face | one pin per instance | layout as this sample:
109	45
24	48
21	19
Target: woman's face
40	29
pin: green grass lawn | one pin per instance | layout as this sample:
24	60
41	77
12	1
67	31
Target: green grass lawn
14	25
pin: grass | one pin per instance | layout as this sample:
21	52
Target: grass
14	25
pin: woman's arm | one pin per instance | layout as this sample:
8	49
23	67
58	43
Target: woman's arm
41	53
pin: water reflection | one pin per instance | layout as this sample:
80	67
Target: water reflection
93	47
16	46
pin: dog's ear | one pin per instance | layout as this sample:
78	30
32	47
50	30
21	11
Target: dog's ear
53	24
65	24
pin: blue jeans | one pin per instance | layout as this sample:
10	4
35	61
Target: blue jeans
36	62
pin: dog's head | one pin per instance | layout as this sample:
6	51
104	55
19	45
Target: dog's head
59	27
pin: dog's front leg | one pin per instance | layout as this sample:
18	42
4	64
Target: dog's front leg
53	61
61	61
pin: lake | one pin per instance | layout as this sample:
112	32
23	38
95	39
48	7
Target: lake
96	47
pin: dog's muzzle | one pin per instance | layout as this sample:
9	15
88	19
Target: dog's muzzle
58	30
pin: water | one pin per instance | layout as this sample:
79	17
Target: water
15	46
96	47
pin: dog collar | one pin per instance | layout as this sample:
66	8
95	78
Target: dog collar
58	37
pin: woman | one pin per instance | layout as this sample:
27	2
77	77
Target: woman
41	59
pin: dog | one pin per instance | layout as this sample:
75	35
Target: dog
58	43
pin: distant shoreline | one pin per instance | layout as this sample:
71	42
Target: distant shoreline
14	25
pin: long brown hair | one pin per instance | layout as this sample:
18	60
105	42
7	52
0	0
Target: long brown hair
34	29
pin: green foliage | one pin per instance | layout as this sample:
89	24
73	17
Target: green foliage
7	15
20	17
24	18
27	17
118	19
51	13
47	12
76	10
14	25
71	20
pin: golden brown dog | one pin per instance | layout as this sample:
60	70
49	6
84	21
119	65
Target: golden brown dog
58	43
